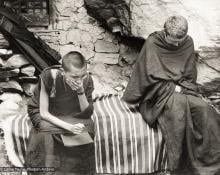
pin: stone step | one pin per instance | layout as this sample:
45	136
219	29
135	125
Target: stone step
8	72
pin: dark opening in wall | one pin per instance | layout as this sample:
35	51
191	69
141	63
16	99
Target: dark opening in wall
134	42
36	12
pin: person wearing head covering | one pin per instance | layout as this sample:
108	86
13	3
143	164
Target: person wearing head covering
62	107
163	83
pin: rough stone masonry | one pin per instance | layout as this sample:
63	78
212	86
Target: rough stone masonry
97	27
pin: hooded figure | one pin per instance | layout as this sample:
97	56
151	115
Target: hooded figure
163	83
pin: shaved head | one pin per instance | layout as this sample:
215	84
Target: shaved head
73	61
176	27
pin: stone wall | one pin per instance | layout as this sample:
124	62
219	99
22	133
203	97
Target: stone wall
203	17
81	32
78	31
109	59
73	29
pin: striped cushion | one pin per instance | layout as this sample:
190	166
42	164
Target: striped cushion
16	133
124	143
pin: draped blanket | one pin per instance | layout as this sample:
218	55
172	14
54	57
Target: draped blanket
21	40
124	143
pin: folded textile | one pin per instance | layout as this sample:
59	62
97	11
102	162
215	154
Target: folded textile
124	143
76	140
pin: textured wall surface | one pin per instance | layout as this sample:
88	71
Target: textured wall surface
203	17
111	60
78	31
141	17
147	16
74	29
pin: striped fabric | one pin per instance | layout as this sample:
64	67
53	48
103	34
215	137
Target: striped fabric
16	133
124	143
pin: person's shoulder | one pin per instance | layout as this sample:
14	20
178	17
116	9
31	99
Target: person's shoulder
89	76
154	34
47	72
189	42
189	39
48	69
88	81
152	38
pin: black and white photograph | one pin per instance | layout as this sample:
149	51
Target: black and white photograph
109	87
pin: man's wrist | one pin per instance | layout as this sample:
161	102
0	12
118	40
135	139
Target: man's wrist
178	88
80	93
68	126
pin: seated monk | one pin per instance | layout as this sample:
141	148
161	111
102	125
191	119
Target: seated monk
163	83
62	105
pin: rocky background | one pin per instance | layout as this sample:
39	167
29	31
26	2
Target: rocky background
110	34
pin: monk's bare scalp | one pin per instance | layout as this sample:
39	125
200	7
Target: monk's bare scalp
73	59
176	27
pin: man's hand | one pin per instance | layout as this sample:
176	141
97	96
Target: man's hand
78	128
76	85
177	88
129	105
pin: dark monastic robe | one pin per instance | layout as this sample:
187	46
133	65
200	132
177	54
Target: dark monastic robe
45	148
159	68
